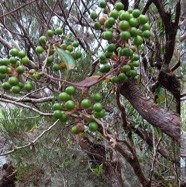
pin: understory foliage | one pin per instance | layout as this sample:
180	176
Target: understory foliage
90	91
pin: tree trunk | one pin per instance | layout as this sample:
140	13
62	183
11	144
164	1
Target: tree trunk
167	122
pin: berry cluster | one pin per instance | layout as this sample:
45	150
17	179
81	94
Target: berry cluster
125	32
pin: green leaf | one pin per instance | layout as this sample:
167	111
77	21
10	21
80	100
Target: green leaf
66	58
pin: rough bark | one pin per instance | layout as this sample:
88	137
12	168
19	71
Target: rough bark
167	122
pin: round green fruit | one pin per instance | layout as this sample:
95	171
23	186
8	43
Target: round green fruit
13	81
108	25
145	27
13	60
114	14
63	96
20	69
24	60
97	107
6	86
85	103
2	76
97	26
125	52
36	76
125	16
32	71
39	49
93	126
124	25
50	33
146	34
70	48
133	31
74	130
57	106
97	97
100	114
143	19
3	69
70	90
111	47
114	79
63	46
135	57
43	39
93	15
107	35
14	52
56	67
57	114
4	61
70	105
58	31
119	6
21	54
16	89
102	4
136	13
64	117
75	44
125	35
122	77
125	68
133	22
105	68
28	87
111	21
77	54
138	40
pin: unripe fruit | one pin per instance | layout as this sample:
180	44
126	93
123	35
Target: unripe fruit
70	90
97	107
119	6
24	60
111	21
107	35
50	33
125	68
74	130
77	54
146	26
103	4
105	68
70	105
93	126
97	26
125	16
2	76
42	39
56	67
57	114
97	97
75	44
135	57
21	54
124	25
114	14
111	48
143	19
138	40
3	69
100	114
93	15
114	79
136	13
146	34
125	35
13	81
16	89
57	106
133	22
133	31
4	61
107	24
20	69
63	96
39	49
28	87
85	103
58	31
63	46
70	48
122	77
6	86
13	60
14	52
125	52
